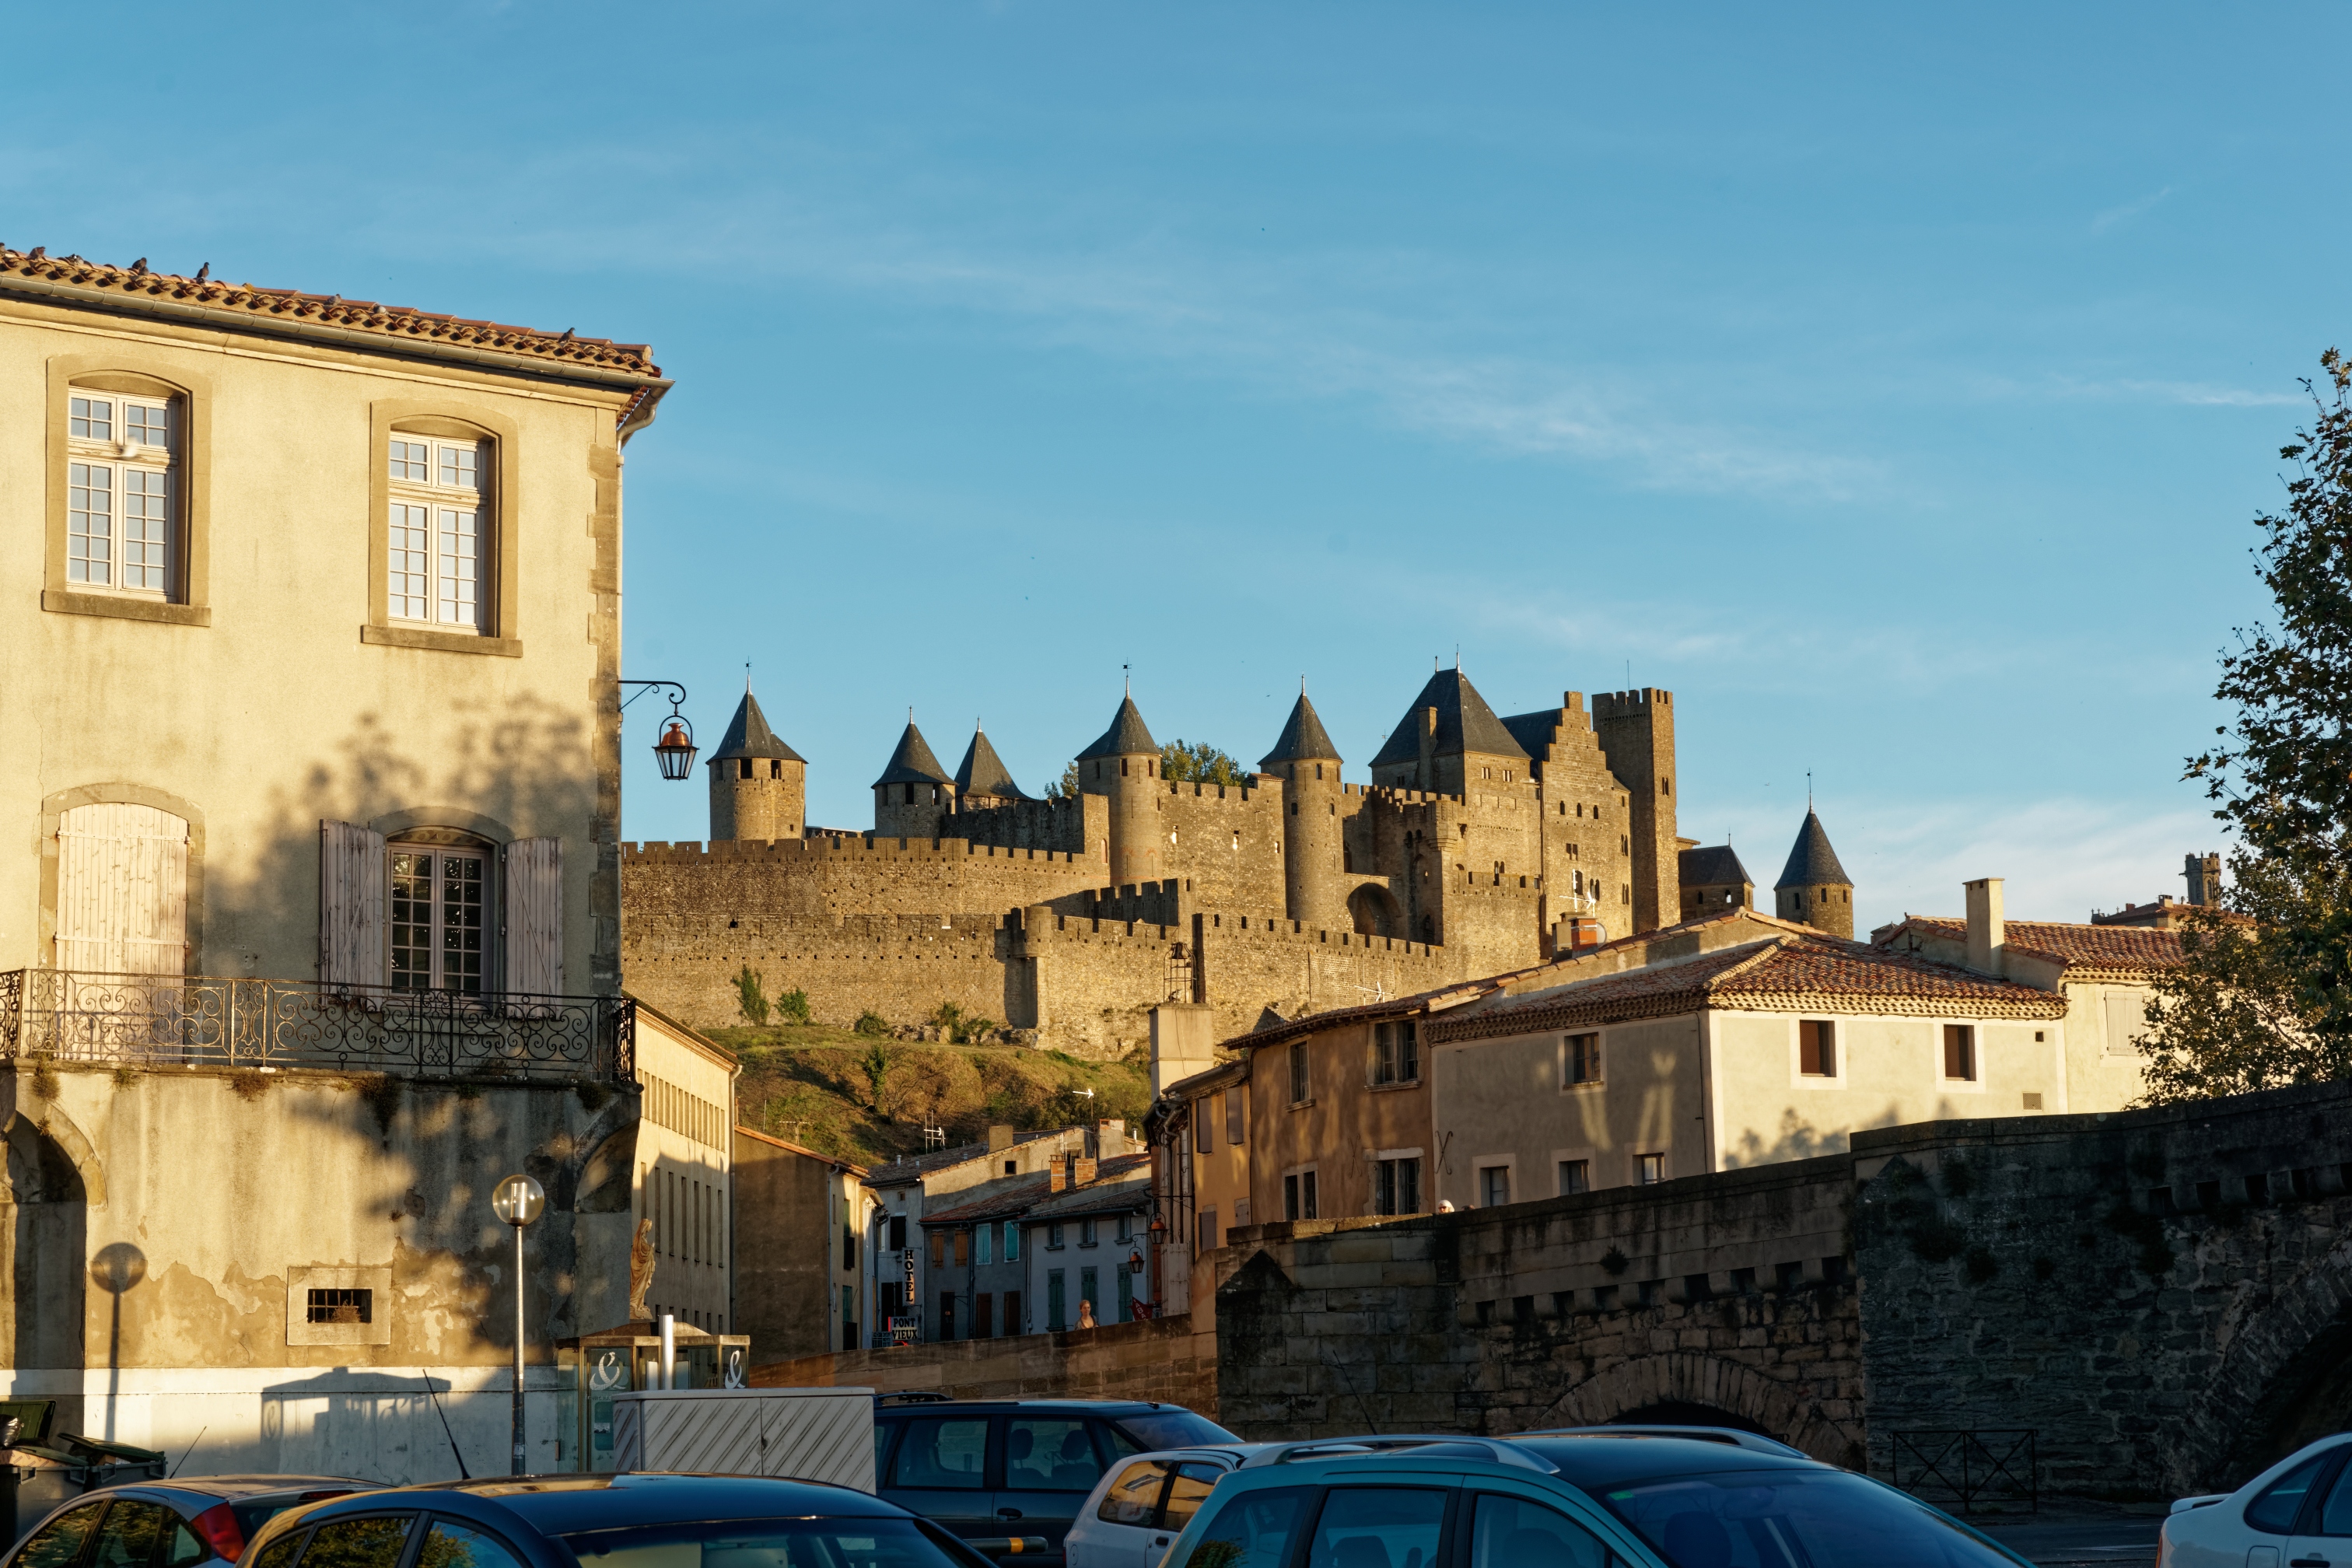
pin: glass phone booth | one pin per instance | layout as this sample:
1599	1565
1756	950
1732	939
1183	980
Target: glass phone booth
595	1367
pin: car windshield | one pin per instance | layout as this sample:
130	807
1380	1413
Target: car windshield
1173	1429
879	1541
1779	1518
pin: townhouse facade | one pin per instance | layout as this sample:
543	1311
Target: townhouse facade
310	618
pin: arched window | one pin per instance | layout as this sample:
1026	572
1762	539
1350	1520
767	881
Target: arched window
439	898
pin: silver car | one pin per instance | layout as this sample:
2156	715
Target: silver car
1141	1503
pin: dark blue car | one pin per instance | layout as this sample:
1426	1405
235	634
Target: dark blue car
636	1521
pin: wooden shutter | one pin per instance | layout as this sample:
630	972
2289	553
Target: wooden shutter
534	916
122	890
351	904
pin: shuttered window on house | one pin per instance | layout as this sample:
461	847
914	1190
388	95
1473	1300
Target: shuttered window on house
534	917
122	890
351	904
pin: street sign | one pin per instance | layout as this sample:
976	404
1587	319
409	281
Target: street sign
519	1201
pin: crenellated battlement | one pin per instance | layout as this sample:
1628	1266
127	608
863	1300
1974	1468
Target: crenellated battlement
843	846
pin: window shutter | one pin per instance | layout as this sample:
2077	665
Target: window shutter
351	904
534	916
122	890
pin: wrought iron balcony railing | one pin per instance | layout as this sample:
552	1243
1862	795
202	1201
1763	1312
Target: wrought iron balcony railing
204	1021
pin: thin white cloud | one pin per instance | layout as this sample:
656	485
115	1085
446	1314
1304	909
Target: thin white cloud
2059	857
2108	219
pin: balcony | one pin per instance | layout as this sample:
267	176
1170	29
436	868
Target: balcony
160	1021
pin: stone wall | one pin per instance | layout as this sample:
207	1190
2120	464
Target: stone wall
1726	1292
1166	1359
2164	1296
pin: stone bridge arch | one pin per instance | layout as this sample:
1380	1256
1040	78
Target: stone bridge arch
2283	1378
1689	1386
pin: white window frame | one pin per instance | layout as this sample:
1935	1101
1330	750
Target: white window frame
1391	1042
101	459
441	535
436	975
1665	1168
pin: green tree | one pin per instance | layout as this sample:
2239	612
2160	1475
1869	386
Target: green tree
793	1007
1202	763
1068	788
749	996
2264	997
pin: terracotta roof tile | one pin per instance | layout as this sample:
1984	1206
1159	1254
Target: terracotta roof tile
71	276
1781	974
2122	949
1014	1199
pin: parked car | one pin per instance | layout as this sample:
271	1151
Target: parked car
1587	1501
630	1520
171	1524
2299	1508
984	1468
1136	1509
1730	1435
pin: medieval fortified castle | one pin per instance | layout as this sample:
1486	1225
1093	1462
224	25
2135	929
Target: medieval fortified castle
1482	844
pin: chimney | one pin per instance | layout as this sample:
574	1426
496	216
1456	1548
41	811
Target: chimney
1988	933
1110	1137
1081	1170
999	1138
1057	1177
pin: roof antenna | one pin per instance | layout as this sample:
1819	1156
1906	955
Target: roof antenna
1302	686
911	713
1457	659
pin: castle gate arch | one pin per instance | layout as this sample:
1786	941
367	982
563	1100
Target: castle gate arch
1374	913
1689	1388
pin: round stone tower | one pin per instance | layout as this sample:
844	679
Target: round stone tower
914	795
1314	892
1814	888
1124	765
759	785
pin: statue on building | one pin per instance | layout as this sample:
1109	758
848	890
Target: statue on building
641	1271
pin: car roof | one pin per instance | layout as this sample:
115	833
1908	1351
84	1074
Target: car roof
563	1505
906	1402
1595	1462
1729	1437
251	1486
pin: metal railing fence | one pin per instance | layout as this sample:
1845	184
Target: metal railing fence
155	1020
1977	1468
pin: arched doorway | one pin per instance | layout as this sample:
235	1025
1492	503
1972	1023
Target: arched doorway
1374	913
47	1210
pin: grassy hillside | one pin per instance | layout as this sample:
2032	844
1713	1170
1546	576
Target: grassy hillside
869	1099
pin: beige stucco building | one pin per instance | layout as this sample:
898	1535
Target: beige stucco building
685	1175
1732	1041
309	619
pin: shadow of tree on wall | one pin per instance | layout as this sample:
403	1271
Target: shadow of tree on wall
520	761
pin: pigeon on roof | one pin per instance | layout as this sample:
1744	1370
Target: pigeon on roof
748	735
982	771
1811	861
1464	723
1126	736
912	763
1303	737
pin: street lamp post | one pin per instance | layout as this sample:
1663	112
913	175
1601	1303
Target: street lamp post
519	1201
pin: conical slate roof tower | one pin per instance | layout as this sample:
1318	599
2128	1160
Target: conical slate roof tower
1814	888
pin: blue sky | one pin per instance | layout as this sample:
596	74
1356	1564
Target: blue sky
1896	389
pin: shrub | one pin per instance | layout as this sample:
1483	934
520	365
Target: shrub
869	1022
792	1008
749	996
876	1065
